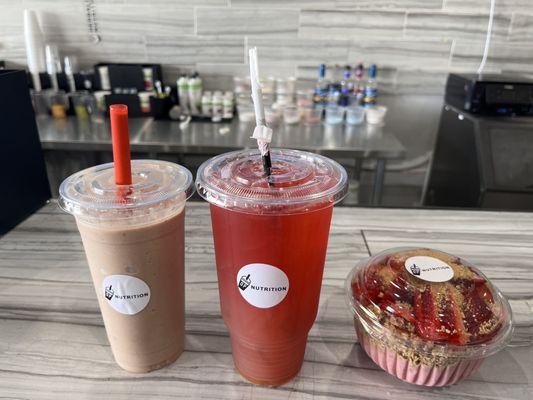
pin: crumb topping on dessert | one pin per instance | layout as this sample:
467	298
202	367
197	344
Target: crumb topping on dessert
460	311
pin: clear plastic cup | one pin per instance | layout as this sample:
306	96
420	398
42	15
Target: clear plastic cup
144	101
291	115
355	115
246	112
283	100
133	240
272	116
99	96
334	115
286	86
268	86
58	103
425	316
354	99
241	84
375	115
312	116
84	104
304	98
270	246
41	105
268	99
92	108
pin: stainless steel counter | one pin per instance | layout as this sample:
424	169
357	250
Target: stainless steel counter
157	136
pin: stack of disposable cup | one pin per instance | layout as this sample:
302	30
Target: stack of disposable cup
34	47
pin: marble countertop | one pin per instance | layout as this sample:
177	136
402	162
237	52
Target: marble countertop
53	344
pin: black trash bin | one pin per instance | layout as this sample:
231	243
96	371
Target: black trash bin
24	186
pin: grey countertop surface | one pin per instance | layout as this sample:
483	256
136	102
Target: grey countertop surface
53	344
158	136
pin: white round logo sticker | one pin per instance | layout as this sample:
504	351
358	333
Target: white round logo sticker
429	268
262	285
126	294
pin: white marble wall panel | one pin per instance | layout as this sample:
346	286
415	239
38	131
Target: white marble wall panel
419	81
522	28
177	3
195	49
389	4
456	25
412	54
116	47
145	19
341	4
503	56
246	21
483	6
294	4
300	51
430	36
356	25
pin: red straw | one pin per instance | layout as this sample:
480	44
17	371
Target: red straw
121	143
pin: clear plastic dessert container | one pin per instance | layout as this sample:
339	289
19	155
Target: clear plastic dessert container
425	316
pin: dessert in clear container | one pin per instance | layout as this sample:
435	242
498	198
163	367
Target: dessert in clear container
426	316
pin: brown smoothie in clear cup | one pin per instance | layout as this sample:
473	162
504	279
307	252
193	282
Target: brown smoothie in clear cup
134	242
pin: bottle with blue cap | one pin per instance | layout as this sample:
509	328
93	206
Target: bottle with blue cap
371	88
321	88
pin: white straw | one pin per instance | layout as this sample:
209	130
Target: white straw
262	133
487	39
257	94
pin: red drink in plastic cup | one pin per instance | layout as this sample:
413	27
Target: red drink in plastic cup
270	245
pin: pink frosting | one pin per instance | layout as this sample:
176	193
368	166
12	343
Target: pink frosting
425	375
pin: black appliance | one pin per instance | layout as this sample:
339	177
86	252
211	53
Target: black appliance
482	162
490	94
25	186
125	76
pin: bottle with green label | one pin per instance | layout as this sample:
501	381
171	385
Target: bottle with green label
194	88
183	93
207	103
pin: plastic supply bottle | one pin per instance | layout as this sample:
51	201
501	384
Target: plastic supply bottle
371	88
336	77
358	78
207	102
148	78
227	105
334	96
321	88
194	88
346	86
183	93
217	110
358	89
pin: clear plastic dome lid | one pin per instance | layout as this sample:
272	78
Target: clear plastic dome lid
158	188
300	181
430	302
